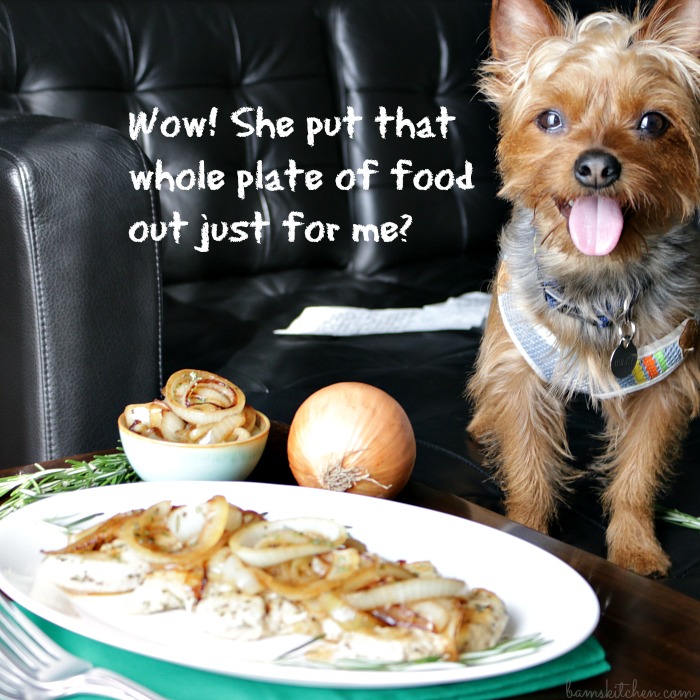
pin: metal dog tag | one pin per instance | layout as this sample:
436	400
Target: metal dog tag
623	358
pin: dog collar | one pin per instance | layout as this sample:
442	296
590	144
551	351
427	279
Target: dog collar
655	361
553	295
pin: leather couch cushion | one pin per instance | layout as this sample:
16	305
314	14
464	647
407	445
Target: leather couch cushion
428	64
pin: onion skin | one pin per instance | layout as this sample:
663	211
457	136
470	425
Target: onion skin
352	437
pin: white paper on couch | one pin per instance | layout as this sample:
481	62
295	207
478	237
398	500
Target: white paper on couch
456	313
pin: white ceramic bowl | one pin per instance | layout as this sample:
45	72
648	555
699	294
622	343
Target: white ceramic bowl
158	460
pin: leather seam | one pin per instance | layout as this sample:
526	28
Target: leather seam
37	281
129	46
159	276
337	68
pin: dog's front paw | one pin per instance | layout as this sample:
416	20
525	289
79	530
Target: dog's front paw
646	560
633	545
535	519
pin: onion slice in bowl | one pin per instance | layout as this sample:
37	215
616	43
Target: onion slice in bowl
200	397
155	420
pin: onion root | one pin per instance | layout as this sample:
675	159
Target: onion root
337	477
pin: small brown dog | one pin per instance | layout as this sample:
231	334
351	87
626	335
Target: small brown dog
598	286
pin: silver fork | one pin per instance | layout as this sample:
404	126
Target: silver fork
34	667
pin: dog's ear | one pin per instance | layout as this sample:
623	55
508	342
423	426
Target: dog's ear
517	24
675	22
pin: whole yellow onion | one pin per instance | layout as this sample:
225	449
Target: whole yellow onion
352	437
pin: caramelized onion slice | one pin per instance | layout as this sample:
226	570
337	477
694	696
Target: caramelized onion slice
345	615
155	420
295	591
92	539
150	537
400	592
201	398
267	543
373	571
220	431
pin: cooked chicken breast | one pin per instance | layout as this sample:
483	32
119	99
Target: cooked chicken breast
113	569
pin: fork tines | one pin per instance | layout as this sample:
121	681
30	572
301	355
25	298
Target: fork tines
26	645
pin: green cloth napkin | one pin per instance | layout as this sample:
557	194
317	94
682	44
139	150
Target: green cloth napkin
181	683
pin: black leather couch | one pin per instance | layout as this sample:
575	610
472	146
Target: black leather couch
92	320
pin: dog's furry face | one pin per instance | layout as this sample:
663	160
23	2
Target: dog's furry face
608	85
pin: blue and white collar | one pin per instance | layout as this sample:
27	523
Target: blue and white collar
540	348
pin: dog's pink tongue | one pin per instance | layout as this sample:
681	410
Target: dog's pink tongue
595	225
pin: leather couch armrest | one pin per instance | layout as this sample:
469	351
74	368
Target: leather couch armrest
80	303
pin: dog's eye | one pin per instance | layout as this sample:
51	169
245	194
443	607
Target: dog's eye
652	124
550	120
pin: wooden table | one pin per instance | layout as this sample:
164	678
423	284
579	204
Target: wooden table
651	634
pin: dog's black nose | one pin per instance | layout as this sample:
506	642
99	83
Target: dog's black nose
597	169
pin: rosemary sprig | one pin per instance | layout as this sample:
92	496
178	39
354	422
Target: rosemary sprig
71	523
103	470
677	517
290	652
507	649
